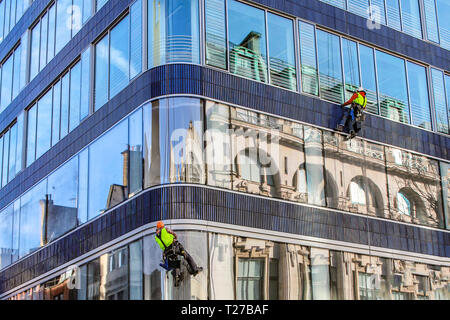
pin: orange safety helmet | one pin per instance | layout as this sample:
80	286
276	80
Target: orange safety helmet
160	225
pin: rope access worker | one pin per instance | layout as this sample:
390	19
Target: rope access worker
167	241
353	116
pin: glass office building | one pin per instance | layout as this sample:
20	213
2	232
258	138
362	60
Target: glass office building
218	117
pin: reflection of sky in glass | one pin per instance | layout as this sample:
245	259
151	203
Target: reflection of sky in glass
63	184
243	19
44	123
367	62
329	62
119	56
281	38
351	68
101	72
391	76
418	92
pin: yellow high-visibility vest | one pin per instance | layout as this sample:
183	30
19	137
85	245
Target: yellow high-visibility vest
165	239
362	101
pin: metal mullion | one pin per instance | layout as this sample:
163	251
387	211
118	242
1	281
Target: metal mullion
385	13
342	69
297	55
431	100
227	45
400	15
269	81
144	58
202	30
408	92
423	20
359	64
447	103
437	22
317	62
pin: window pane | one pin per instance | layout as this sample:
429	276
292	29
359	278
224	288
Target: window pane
12	152
31	138
247	41
83	186
85	83
392	85
445	174
23	60
439	101
359	7
330	71
35	42
181	134
65	98
44	122
443	9
77	16
20	140
393	14
216	37
308	58
351	67
418	92
411	18
177	38
2	19
31	212
7	82
1	156
314	166
136	39
87	10
63	25
44	39
6	236
51	33
447	89
62	205
320	274
378	11
5	158
16	71
281	52
336	3
368	77
106	170
119	57
100	3
56	112
135	152
431	20
136	271
75	96
101	72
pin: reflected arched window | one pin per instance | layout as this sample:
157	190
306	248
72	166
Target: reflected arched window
403	204
357	194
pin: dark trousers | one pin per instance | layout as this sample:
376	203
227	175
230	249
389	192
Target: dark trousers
350	121
176	249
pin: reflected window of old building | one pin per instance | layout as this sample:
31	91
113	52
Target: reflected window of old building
367	286
404	205
250	279
357	193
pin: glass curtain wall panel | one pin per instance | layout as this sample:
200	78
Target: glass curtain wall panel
440	105
7	82
75	96
135	39
431	20
368	77
378	13
32	209
85	84
392	85
250	279
418	93
44	123
330	67
173	32
314	166
216	33
308	59
31	135
12	152
221	264
6	236
83	184
62	213
181	140
337	3
65	101
414	188
443	10
34	55
447	90
218	144
107	170
63	24
393	14
44	42
411	18
281	52
99	4
135	152
445	174
2	20
16	72
247	41
351	68
360	7
20	141
101	72
320	274
119	56
5	158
